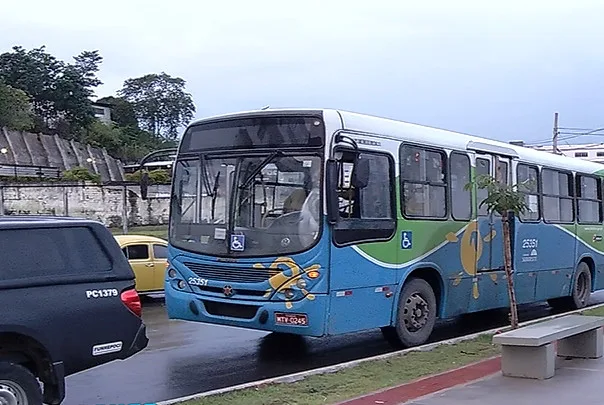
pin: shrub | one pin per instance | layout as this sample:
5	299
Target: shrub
80	174
158	176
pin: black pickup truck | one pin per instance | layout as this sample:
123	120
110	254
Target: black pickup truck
67	304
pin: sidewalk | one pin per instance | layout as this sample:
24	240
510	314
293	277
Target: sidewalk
575	381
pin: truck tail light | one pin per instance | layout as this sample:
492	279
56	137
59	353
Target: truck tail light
131	299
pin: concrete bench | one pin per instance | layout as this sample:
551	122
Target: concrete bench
528	352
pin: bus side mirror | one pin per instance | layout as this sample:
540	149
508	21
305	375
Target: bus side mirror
331	185
144	184
360	173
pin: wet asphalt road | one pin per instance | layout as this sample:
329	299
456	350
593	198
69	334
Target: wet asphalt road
184	358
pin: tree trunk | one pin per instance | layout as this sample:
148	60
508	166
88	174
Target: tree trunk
507	260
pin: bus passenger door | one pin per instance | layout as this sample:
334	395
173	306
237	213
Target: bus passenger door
489	288
543	226
363	247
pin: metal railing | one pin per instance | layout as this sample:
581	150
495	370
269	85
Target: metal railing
16	171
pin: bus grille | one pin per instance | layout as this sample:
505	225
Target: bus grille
232	274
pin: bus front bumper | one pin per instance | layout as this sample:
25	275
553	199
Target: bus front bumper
305	317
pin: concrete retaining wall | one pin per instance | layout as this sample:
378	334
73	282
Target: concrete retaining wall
25	148
107	204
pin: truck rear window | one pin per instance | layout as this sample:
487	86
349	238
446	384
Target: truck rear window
43	252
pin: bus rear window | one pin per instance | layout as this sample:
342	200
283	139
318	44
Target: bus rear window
43	252
256	132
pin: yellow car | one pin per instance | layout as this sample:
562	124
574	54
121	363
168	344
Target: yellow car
148	257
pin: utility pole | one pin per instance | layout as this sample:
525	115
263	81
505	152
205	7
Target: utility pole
555	138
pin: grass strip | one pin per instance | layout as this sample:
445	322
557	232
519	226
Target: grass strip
594	312
362	379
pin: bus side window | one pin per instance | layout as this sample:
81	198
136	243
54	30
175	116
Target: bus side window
589	200
557	191
373	201
483	168
424	182
366	214
528	184
461	199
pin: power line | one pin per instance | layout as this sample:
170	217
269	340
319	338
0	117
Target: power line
575	129
575	133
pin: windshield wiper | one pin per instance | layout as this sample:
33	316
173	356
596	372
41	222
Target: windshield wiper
215	194
258	169
204	173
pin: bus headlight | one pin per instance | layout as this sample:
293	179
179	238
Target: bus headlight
171	273
289	293
301	283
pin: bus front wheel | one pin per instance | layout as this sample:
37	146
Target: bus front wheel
416	314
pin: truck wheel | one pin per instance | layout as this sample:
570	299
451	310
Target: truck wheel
416	313
18	386
581	287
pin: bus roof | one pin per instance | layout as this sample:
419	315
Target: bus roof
432	136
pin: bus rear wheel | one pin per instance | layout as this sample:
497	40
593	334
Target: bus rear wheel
580	294
416	315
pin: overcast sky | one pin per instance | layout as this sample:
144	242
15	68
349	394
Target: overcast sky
495	69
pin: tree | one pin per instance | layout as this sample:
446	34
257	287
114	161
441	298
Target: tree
101	135
508	202
73	89
59	91
138	143
122	111
160	102
15	109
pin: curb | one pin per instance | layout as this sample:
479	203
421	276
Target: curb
289	378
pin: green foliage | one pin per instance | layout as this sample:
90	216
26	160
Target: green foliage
158	176
128	143
137	143
80	174
160	103
41	93
60	91
122	112
101	135
502	198
15	109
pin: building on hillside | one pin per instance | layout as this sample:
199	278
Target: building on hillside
102	112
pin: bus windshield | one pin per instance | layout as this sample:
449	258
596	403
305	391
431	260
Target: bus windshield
246	205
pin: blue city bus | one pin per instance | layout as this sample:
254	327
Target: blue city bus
324	222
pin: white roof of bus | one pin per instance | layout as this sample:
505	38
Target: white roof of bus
437	137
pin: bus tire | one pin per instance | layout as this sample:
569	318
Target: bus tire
416	313
581	292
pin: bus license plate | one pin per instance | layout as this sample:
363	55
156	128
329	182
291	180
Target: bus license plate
291	319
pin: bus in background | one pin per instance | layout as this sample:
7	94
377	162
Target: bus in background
324	222
157	165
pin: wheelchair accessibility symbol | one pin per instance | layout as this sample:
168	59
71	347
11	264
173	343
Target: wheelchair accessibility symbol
238	243
407	240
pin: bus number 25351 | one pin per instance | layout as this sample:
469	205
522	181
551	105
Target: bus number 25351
198	281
